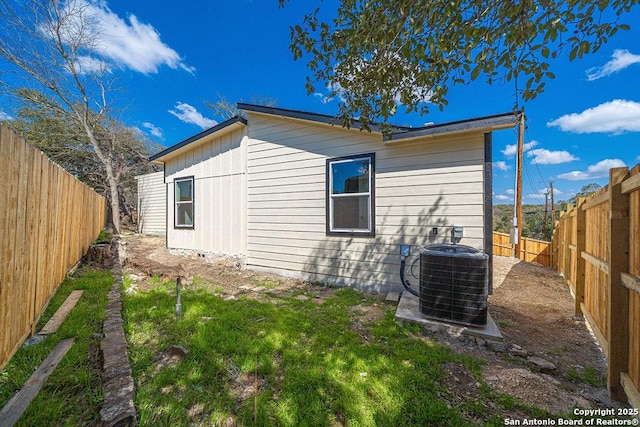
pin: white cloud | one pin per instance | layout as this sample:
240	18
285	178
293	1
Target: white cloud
614	117
620	60
510	150
500	165
542	156
502	197
5	117
424	96
89	64
189	114
539	195
510	191
598	170
153	129
325	99
127	43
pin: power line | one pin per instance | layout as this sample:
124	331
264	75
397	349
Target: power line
534	158
535	190
533	187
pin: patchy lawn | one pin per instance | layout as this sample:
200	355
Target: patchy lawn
72	395
307	356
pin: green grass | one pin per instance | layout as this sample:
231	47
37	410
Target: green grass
72	395
504	323
588	375
269	284
312	367
104	236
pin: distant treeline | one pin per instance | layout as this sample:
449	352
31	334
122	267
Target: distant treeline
533	224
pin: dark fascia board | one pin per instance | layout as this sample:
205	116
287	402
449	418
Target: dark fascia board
312	117
497	121
216	128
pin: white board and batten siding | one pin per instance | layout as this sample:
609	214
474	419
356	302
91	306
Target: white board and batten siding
152	204
219	170
419	185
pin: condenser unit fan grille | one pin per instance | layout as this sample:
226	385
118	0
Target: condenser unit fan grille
453	284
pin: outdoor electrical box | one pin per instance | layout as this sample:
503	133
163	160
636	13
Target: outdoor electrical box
405	250
457	232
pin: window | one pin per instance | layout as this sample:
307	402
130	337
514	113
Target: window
351	196
184	202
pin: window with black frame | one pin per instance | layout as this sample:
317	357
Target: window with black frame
350	195
184	199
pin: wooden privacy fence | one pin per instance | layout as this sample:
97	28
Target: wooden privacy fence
597	249
531	250
48	219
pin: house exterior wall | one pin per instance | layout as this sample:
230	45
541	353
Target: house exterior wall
219	170
437	182
152	204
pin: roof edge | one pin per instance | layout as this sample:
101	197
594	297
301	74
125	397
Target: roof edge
313	117
493	121
207	132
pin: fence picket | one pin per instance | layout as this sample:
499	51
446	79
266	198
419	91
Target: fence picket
47	220
607	249
532	250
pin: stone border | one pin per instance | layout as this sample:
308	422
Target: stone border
117	381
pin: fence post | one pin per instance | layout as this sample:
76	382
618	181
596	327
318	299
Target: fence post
554	245
581	238
566	253
558	247
618	295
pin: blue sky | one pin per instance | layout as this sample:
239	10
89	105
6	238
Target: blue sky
172	58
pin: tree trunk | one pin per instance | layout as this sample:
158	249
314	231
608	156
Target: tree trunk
108	167
115	198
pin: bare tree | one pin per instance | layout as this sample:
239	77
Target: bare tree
51	49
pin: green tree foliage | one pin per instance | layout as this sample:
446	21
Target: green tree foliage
227	109
585	191
65	143
533	225
502	218
376	54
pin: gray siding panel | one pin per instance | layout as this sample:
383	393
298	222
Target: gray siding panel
422	184
152	204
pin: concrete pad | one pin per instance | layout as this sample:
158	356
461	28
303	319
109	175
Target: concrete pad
409	311
393	296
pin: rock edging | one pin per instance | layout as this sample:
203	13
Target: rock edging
117	381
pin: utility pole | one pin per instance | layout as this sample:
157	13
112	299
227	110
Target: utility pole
546	203
553	207
518	219
553	223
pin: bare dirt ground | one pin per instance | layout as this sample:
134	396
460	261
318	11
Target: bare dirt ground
530	304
